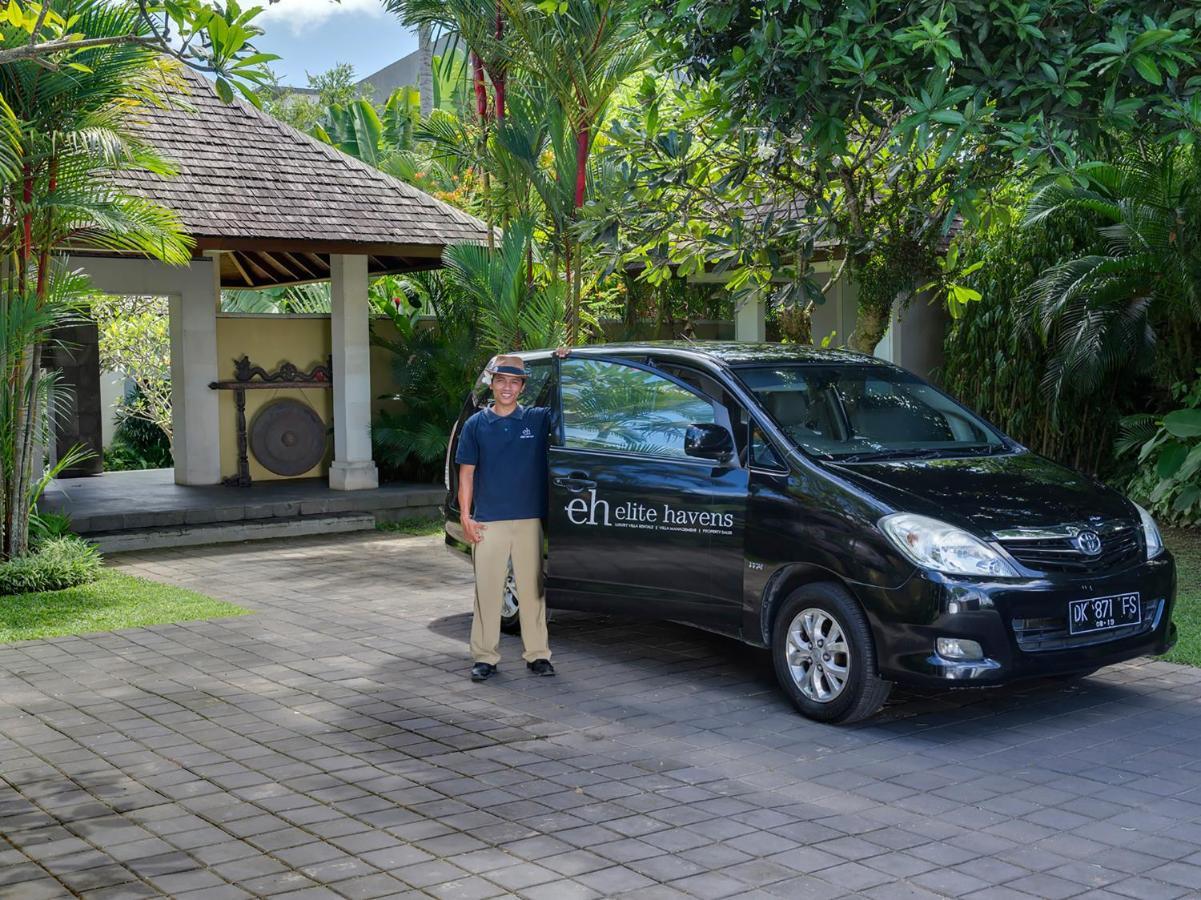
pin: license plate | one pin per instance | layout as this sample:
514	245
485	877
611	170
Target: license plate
1103	613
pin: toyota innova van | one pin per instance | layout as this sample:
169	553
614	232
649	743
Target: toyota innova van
837	510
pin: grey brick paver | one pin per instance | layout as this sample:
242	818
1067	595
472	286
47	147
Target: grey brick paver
330	745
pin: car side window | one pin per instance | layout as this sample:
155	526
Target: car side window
611	406
535	393
763	454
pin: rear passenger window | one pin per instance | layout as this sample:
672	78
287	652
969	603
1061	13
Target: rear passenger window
610	406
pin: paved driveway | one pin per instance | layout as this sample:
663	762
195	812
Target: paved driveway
332	746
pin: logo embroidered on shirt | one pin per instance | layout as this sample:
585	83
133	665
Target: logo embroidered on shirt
526	433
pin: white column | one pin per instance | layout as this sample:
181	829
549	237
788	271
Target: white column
194	294
750	317
195	422
352	468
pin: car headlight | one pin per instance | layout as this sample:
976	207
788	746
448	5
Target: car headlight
931	544
1150	533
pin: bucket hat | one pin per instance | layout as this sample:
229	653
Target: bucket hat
507	365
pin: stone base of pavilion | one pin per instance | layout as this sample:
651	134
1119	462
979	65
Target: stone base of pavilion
122	511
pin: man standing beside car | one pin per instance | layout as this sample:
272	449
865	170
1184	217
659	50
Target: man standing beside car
502	498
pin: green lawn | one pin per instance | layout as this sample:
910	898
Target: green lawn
111	602
1185	545
421	527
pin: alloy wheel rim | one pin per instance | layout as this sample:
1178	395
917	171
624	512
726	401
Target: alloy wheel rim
819	658
508	605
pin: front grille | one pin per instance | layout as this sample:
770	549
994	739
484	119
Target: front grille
1051	633
1120	547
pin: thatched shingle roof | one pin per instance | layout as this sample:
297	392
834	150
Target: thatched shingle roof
280	201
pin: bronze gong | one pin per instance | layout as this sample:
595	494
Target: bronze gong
287	437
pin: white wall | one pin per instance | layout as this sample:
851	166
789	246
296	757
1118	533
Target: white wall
112	392
915	335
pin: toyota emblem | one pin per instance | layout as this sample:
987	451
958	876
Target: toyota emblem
1088	543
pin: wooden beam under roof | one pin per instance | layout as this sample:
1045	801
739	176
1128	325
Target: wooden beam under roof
233	258
267	280
274	262
298	264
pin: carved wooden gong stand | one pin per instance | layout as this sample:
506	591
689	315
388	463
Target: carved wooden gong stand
248	377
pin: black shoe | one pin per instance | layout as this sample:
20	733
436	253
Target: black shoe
482	671
541	667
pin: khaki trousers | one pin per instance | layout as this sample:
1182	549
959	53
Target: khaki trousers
521	541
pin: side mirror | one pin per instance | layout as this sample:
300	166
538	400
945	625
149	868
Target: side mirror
708	441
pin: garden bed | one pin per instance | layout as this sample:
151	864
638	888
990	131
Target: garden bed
1185	545
113	601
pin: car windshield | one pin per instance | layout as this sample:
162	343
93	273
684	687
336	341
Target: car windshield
855	413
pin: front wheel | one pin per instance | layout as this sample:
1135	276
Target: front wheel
824	656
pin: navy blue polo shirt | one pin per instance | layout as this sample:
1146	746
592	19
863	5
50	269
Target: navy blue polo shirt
509	455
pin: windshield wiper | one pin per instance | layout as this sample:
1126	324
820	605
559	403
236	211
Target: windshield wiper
888	454
928	453
981	449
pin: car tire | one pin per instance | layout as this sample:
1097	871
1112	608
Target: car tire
825	657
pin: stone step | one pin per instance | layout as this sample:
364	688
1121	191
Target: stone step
228	532
150	499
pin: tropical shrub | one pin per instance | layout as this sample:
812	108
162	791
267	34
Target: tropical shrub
1167	450
514	303
137	442
44	526
996	364
1131	306
291	300
434	363
58	563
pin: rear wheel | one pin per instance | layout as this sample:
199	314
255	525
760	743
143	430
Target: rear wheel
824	656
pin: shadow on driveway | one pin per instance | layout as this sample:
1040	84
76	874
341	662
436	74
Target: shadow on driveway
634	666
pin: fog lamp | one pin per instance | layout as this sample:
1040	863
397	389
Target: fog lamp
959	648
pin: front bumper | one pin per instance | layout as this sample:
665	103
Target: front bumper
1021	625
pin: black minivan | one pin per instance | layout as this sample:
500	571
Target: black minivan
838	510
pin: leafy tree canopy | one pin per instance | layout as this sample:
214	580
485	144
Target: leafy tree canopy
216	38
1036	78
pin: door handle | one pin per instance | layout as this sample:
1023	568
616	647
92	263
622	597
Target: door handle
575	482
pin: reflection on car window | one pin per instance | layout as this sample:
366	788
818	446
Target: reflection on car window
609	406
763	454
866	411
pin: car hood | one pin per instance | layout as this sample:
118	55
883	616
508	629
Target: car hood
987	494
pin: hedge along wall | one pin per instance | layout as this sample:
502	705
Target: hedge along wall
995	361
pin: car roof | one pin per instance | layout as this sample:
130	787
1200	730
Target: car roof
731	353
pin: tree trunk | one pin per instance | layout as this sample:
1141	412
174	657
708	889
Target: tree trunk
500	76
425	69
481	90
870	325
583	140
571	307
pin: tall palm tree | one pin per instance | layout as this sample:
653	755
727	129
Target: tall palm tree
581	55
425	67
72	133
1140	302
